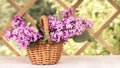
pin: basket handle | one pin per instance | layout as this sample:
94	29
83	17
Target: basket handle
44	25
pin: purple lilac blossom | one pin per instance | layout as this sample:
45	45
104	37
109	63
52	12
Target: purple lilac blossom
67	13
68	27
88	23
17	21
8	34
22	34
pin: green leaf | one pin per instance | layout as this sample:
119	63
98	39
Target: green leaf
54	43
85	36
91	39
46	41
58	15
39	28
32	45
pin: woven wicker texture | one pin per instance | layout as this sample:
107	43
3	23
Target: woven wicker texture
45	53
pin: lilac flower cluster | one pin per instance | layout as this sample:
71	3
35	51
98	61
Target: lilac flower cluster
17	22
62	30
22	34
67	13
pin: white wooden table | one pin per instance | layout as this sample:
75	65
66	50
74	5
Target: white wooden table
65	62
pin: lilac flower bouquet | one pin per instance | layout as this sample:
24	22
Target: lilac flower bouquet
21	33
67	26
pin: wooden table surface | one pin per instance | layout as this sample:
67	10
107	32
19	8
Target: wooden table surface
65	62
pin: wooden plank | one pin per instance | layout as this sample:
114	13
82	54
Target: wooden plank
107	23
62	3
25	8
20	13
101	41
82	48
107	47
114	4
27	16
77	3
5	28
12	49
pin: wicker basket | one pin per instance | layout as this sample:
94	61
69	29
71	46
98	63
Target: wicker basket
45	54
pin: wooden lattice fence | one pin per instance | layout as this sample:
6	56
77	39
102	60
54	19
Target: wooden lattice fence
21	11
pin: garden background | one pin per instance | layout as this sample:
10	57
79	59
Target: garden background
99	11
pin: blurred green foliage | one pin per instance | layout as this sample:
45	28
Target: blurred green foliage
41	7
99	11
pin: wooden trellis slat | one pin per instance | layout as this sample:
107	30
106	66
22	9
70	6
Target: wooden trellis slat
24	9
14	51
77	3
27	16
108	22
62	3
101	41
85	45
114	4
